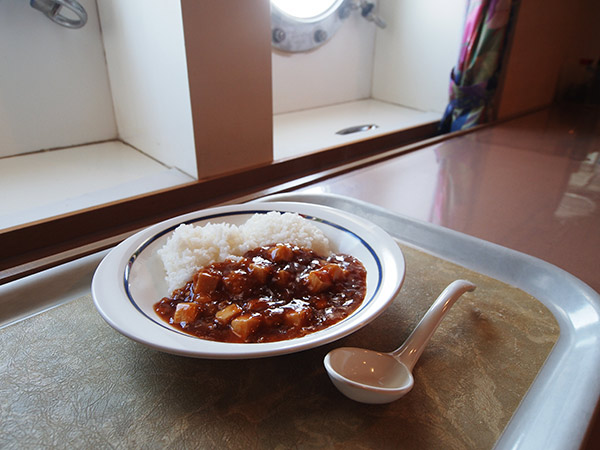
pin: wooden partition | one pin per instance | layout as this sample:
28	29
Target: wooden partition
228	46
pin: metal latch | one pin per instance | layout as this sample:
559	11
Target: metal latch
53	10
357	129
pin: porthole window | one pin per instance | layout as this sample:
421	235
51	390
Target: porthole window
298	26
306	9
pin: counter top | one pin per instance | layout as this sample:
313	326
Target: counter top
531	184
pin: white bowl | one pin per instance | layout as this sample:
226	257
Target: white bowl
130	280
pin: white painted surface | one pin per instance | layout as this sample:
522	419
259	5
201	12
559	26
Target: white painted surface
303	132
416	52
396	77
54	88
339	71
45	184
147	66
407	63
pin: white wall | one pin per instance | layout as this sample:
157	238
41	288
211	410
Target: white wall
54	89
407	63
339	71
416	52
146	59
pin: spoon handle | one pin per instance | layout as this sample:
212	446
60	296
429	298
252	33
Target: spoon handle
413	347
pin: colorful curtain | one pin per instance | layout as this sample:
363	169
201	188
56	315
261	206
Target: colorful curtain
474	79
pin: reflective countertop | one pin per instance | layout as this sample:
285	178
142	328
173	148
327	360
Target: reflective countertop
531	184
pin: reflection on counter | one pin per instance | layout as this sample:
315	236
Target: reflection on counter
531	184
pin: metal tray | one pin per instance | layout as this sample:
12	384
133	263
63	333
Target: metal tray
558	408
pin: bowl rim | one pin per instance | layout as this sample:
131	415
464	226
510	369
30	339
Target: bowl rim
385	252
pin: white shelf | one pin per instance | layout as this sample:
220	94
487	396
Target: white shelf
308	131
50	183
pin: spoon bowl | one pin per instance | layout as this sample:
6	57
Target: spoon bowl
368	376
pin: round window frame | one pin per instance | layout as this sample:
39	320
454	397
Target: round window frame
293	34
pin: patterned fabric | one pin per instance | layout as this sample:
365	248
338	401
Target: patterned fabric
474	79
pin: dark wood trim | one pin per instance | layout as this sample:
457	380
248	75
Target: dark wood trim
35	246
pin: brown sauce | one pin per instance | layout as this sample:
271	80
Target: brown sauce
273	293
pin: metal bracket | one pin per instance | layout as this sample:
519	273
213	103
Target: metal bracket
52	10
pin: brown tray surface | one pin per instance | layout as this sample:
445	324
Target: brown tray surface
69	380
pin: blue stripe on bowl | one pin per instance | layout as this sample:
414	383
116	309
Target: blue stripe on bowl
151	239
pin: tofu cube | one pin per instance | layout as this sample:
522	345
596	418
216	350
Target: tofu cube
205	282
185	313
226	314
318	281
245	325
281	253
296	318
335	272
237	282
283	278
260	272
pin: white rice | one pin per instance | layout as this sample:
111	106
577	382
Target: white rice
192	247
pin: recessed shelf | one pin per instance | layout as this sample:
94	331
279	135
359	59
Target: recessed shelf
313	130
49	183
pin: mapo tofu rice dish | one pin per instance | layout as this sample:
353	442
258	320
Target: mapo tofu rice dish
273	278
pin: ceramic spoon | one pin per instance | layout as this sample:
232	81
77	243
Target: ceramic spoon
368	376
